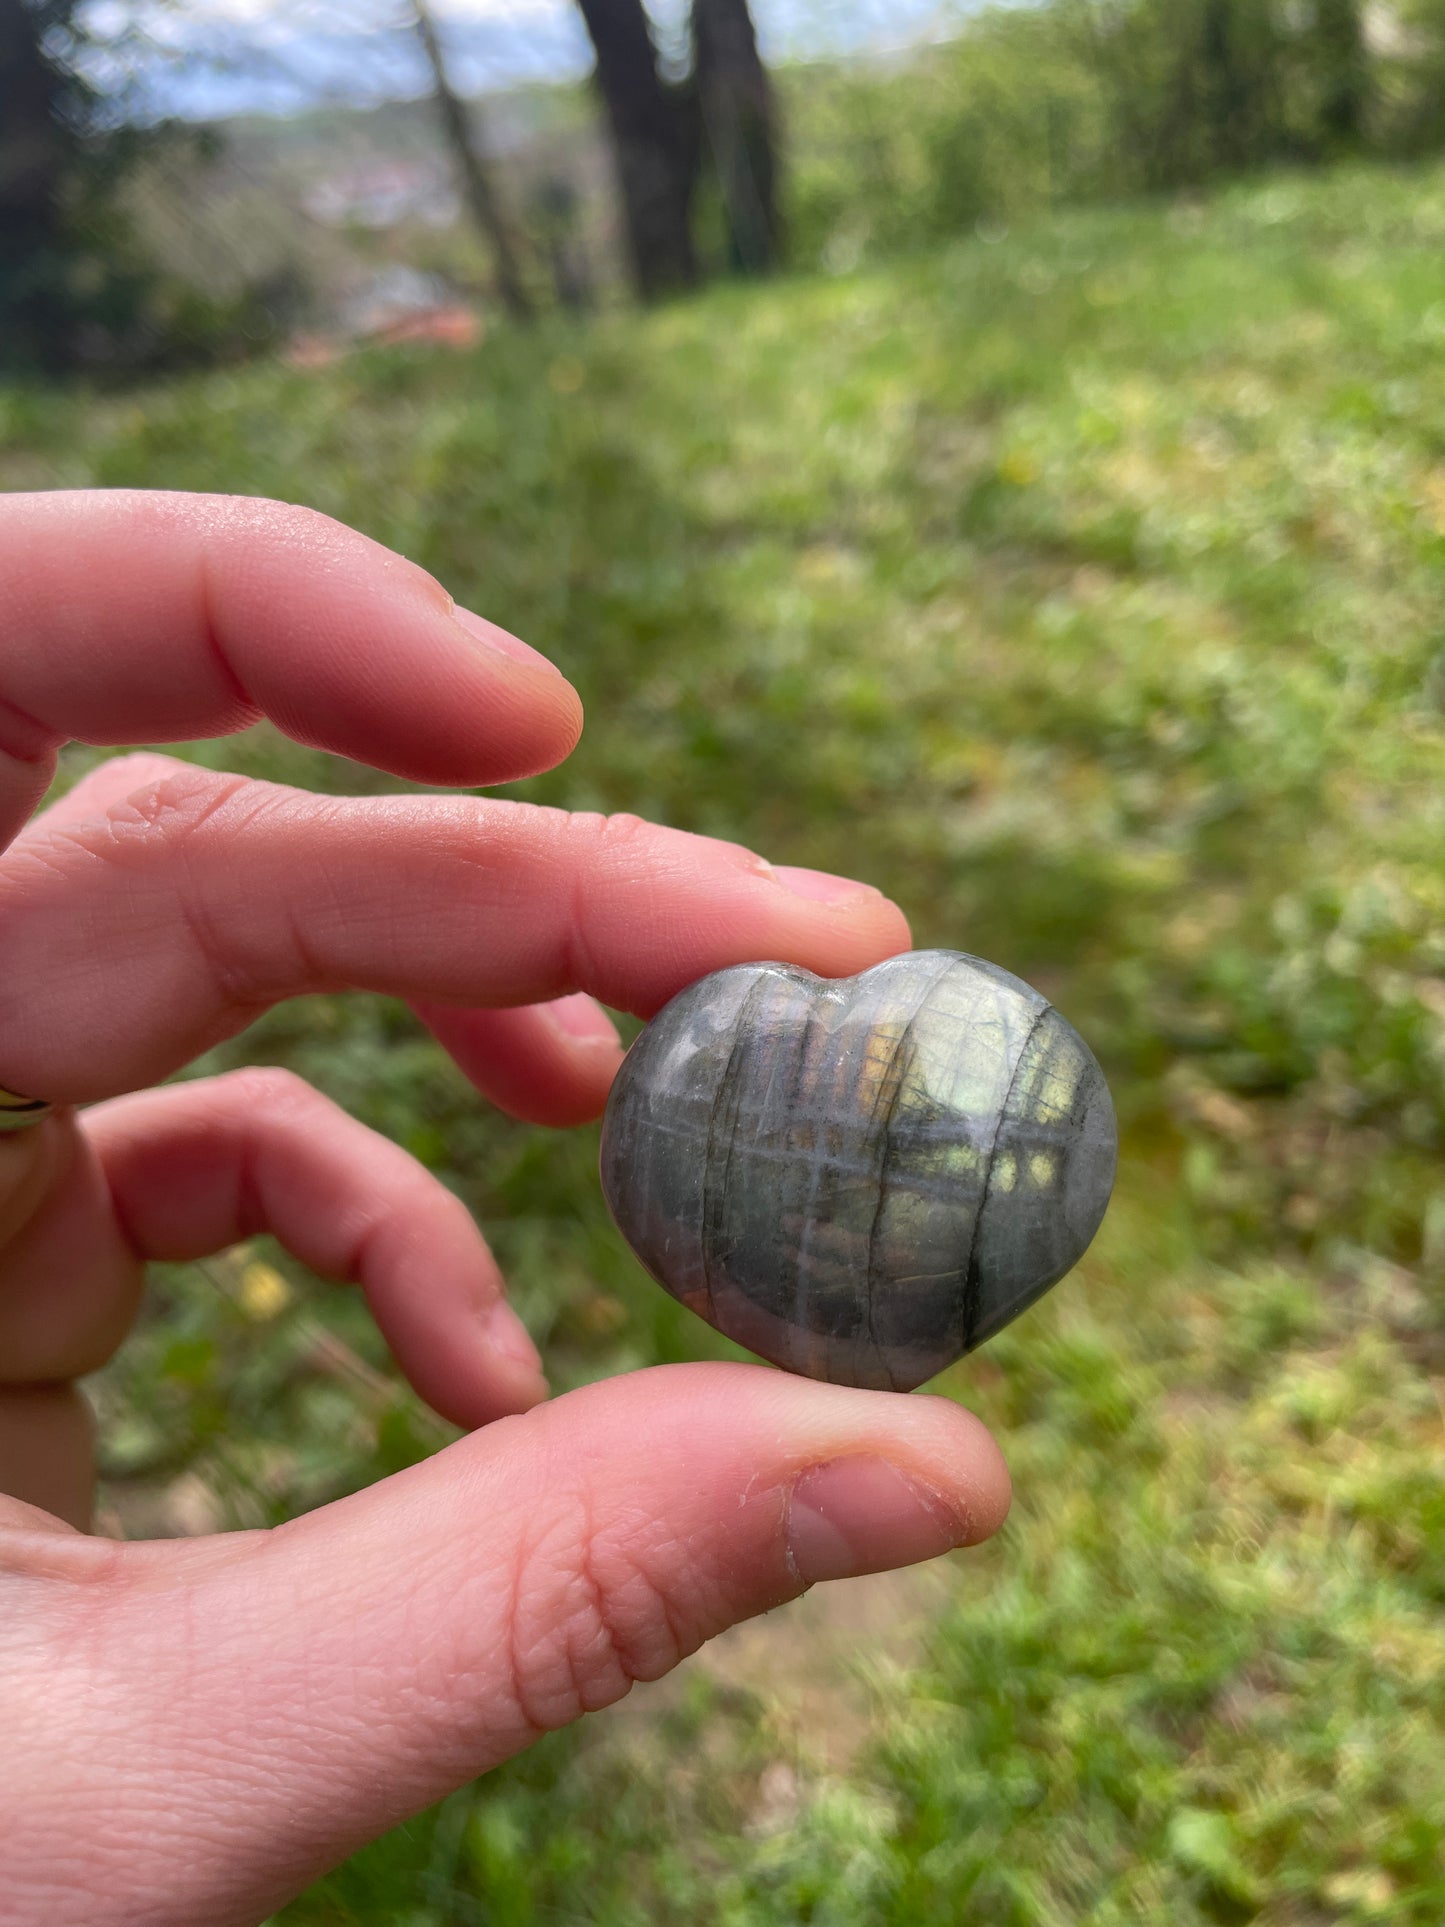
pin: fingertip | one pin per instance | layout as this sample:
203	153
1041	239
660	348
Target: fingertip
846	926
508	1339
591	1056
860	1513
489	1370
532	1389
550	1064
718	904
552	716
885	1479
854	1515
888	928
584	1099
581	1019
738	1421
492	636
981	1485
823	886
503	1393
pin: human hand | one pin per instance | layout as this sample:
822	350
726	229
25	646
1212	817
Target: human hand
195	1730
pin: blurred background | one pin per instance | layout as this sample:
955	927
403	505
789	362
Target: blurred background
1000	453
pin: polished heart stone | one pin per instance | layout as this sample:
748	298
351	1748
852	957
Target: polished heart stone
859	1179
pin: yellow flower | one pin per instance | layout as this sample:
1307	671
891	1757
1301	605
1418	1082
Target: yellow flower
264	1293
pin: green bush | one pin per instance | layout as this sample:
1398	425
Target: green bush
1072	101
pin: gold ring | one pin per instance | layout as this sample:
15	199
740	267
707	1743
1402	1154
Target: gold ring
19	1113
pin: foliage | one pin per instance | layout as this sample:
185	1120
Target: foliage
79	283
1095	100
1081	586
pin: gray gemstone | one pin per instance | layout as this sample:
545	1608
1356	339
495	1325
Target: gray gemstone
860	1179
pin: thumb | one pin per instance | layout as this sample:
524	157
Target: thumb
285	1696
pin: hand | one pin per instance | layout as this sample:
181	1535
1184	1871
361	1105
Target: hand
194	1731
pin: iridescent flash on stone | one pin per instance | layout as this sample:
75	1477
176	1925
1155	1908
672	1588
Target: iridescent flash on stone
860	1179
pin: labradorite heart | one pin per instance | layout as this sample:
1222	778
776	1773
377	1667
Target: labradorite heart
859	1179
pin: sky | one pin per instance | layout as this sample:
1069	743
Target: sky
203	59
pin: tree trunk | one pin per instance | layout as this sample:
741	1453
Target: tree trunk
556	221
476	179
1228	88
654	144
34	154
738	124
1342	43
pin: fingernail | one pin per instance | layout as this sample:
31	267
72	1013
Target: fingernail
509	1338
859	1515
578	1017
819	886
487	633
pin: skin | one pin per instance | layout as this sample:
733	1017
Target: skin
194	1731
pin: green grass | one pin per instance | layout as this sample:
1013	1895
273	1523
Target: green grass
1085	589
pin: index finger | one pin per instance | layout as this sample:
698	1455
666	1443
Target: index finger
128	616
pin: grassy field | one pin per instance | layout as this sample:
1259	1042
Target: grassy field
1085	588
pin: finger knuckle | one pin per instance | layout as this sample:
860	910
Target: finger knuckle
592	1612
148	826
619	848
294	523
618	837
165	811
621	833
